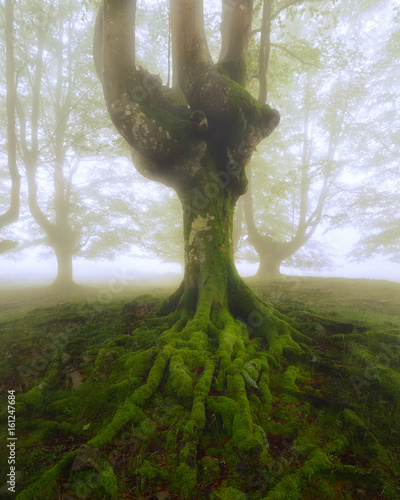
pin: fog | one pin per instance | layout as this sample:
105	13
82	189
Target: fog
325	183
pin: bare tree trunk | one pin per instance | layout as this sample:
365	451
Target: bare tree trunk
12	213
265	50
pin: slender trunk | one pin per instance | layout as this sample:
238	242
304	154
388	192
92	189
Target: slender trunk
12	213
265	50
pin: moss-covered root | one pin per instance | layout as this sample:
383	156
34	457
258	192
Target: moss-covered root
262	320
47	487
319	462
185	477
130	410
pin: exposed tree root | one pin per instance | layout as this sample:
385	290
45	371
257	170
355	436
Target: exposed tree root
212	394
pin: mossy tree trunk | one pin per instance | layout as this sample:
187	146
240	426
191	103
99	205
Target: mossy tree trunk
199	145
198	139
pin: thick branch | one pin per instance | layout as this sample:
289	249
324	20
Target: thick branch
189	45
235	35
34	208
154	124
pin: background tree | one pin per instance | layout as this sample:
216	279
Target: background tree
371	203
337	73
60	117
12	214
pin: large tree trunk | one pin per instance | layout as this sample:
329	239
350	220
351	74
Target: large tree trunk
201	149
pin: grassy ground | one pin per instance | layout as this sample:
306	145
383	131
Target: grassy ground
331	426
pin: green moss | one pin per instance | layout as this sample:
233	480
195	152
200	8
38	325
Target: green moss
209	469
233	68
390	382
229	493
143	393
184	481
127	412
103	359
34	399
317	462
137	364
289	377
150	473
47	487
303	445
181	381
287	489
109	482
224	407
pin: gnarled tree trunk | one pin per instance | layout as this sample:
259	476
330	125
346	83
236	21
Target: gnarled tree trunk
198	139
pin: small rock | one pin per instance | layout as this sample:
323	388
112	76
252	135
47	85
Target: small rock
85	459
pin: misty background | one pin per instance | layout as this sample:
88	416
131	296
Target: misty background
324	188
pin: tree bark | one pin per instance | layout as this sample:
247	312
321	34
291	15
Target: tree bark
64	255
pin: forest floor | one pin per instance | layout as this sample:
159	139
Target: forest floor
74	360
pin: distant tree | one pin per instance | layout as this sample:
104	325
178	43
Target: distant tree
370	204
12	214
304	175
60	117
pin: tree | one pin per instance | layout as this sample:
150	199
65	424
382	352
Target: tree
198	141
371	203
197	138
272	249
12	214
60	117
